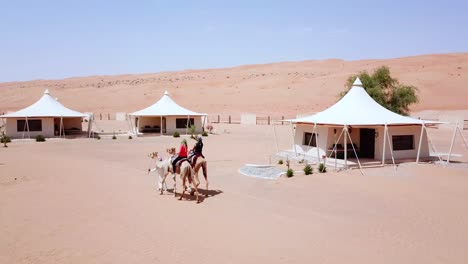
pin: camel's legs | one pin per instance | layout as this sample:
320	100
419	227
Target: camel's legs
183	188
162	182
174	178
205	174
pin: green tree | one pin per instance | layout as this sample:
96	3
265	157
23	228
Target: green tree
385	90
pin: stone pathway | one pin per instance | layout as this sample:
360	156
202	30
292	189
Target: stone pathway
271	173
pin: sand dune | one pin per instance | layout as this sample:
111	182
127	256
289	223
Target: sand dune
284	88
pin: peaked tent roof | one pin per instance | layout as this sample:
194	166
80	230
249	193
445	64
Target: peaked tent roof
47	106
166	107
357	108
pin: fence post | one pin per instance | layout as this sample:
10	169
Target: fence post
108	116
218	119
282	118
100	116
268	120
229	119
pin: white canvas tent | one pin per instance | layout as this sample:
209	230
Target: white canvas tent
47	116
319	135
166	116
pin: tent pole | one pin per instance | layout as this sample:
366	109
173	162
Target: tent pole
27	124
62	130
186	126
433	147
460	130
24	128
391	149
335	147
452	142
293	133
276	141
345	147
420	142
355	153
138	126
384	144
317	142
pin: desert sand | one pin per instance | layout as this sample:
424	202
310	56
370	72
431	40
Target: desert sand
278	89
92	201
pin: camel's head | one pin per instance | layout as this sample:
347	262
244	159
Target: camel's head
171	151
153	155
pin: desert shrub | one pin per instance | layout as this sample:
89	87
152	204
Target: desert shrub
280	162
130	137
5	139
40	138
98	137
114	137
204	134
308	169
322	168
289	173
176	134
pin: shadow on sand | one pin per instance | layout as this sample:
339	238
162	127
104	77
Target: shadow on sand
204	194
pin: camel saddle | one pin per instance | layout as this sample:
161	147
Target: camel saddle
178	164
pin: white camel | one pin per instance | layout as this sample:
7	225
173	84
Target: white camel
186	174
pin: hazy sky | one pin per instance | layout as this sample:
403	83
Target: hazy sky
58	39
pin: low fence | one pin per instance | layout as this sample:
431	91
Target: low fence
247	119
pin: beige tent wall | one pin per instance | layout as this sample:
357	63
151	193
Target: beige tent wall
47	128
322	132
149	121
402	154
333	136
171	124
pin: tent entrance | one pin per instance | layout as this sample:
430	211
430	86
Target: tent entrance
367	146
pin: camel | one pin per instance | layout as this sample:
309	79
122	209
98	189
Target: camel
201	164
162	169
186	173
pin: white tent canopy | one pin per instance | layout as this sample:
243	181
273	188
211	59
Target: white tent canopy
357	108
166	107
47	106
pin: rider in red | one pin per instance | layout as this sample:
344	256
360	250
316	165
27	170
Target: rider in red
182	154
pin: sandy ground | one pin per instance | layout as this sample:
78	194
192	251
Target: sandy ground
90	201
278	89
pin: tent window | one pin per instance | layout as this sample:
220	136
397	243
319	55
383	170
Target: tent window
183	122
405	142
34	125
307	139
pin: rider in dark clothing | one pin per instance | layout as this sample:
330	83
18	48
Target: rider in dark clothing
197	150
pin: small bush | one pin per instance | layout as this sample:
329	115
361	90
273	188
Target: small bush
308	169
204	134
176	134
289	173
40	138
114	137
5	139
130	137
280	162
322	168
98	137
